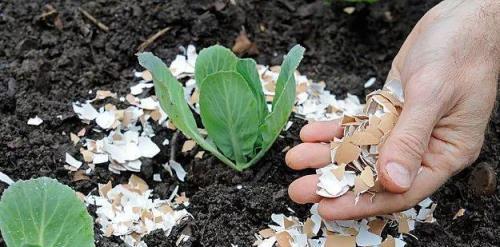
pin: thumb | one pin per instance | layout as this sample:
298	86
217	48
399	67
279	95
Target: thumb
401	155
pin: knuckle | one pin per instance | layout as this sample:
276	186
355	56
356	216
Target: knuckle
411	145
434	92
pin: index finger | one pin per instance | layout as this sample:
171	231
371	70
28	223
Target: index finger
321	131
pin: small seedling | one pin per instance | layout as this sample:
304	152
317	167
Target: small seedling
233	108
44	213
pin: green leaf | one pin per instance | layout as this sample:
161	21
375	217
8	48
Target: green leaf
248	69
43	212
284	98
211	60
171	95
229	113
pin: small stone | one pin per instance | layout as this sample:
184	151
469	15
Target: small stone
483	180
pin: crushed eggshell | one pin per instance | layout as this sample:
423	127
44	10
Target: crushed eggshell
177	168
188	146
70	160
35	121
358	149
459	213
318	232
6	179
127	211
74	138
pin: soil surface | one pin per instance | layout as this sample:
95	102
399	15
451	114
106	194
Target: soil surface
44	69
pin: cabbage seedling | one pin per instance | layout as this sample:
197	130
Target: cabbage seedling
44	213
233	108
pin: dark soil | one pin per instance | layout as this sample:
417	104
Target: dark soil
43	70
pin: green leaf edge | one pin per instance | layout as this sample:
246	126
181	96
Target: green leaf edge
200	68
45	180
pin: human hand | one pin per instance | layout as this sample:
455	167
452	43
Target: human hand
449	66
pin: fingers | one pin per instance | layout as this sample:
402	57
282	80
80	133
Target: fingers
321	131
343	208
312	154
303	190
308	155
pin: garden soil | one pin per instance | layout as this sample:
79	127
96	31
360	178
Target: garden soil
44	69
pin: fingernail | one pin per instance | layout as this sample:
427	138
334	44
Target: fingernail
399	174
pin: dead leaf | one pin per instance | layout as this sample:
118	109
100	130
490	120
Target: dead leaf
241	43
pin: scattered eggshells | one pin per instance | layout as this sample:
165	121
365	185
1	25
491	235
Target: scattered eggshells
85	111
370	82
74	138
127	211
179	170
366	127
35	121
459	213
70	160
188	146
6	179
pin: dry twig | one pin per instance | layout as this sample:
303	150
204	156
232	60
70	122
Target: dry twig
94	20
151	39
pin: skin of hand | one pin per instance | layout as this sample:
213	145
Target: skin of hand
449	67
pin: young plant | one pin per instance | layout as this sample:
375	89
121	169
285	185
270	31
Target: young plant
44	213
233	108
